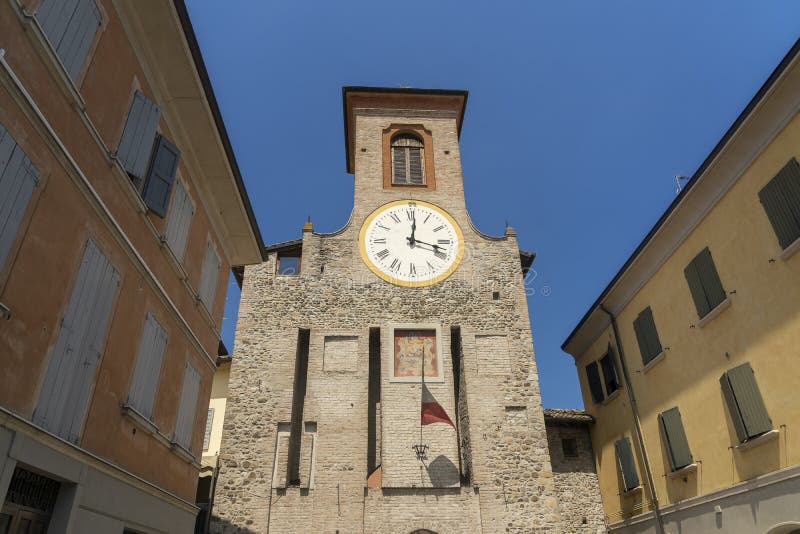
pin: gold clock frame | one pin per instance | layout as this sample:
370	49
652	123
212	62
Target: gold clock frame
362	245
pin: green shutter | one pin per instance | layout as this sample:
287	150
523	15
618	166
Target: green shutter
675	438
704	283
595	387
749	405
781	200
627	467
647	336
733	408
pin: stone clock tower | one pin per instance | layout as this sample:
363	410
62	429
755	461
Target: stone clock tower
323	427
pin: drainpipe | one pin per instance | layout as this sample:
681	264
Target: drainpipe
636	421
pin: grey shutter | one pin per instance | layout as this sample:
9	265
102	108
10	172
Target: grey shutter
595	386
208	277
745	404
209	423
179	221
70	26
781	200
627	467
647	335
704	283
415	166
675	438
399	165
68	382
610	371
137	139
187	408
148	367
18	177
161	176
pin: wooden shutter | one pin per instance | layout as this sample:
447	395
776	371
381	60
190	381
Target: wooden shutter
646	335
704	283
745	404
68	382
675	438
138	137
415	173
70	26
209	423
399	165
161	175
595	385
627	467
148	367
179	221
18	177
208	277
187	409
781	200
610	371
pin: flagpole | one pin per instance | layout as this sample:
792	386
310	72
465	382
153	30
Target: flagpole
422	394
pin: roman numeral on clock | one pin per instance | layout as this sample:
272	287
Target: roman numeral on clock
379	240
412	270
395	266
440	254
444	241
381	226
394	217
440	227
382	254
430	266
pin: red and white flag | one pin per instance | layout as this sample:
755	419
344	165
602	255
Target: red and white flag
432	411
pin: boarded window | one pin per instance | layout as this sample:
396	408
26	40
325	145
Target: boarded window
595	384
161	175
704	283
609	367
408	167
148	367
187	409
646	335
209	424
626	464
209	276
68	382
675	438
18	177
138	137
781	200
179	221
745	404
70	26
569	446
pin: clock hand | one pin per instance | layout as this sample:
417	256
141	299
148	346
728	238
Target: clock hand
411	240
435	247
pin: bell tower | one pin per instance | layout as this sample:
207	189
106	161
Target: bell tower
383	376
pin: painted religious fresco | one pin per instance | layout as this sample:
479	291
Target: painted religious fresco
409	346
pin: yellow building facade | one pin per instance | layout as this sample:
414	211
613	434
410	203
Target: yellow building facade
688	359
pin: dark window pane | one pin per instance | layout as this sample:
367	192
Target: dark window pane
609	372
570	447
289	265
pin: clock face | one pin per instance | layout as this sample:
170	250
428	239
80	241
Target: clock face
411	243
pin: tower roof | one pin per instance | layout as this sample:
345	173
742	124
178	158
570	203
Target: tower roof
397	98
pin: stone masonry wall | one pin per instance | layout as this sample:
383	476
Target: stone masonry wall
576	480
339	299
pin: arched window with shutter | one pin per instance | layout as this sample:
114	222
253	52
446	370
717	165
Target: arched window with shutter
408	159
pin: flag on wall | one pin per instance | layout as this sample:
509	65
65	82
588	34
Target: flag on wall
432	411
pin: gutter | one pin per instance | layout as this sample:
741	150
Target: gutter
636	420
754	102
197	56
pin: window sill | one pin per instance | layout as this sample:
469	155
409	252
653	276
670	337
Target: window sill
611	397
789	251
632	491
758	440
652	363
143	423
181	451
683	471
718	309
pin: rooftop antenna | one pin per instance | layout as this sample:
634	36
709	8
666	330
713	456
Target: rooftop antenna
678	178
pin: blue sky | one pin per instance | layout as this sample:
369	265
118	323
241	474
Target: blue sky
579	116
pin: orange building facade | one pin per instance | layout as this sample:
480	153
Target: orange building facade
122	211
